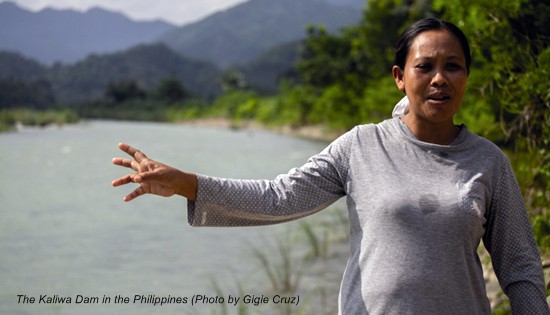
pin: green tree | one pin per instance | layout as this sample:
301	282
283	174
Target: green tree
233	80
341	68
510	41
171	90
325	58
29	94
379	30
124	90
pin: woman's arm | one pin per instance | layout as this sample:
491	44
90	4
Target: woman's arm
230	202
514	253
300	192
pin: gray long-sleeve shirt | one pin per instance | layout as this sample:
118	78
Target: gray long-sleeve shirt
417	214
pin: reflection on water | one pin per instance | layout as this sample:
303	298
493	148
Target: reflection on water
65	231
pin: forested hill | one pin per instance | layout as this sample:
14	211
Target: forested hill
16	66
242	33
68	36
262	36
146	65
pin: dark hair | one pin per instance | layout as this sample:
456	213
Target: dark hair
405	40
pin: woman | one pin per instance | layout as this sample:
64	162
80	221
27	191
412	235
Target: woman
421	193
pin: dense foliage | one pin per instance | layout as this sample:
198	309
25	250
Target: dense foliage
129	100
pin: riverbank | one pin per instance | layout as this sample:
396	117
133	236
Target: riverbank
10	118
315	133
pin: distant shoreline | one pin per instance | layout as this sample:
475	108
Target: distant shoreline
315	133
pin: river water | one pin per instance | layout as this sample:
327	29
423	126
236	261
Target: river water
65	232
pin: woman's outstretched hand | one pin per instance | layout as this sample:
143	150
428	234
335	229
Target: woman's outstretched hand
154	177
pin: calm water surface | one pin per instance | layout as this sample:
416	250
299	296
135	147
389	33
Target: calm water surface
65	231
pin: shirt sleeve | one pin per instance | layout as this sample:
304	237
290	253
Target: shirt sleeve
510	241
300	192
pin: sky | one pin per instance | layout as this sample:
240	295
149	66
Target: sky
178	12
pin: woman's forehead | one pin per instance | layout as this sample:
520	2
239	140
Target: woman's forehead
435	43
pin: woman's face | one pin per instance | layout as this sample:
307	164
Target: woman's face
434	77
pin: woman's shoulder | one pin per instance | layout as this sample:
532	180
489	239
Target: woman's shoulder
365	135
359	134
485	147
353	139
385	126
380	131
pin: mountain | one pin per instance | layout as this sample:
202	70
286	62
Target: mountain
147	65
358	4
17	67
242	33
261	38
264	73
23	83
67	36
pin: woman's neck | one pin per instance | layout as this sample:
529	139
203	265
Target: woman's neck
436	133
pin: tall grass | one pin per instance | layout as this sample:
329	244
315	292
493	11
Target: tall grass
278	264
318	244
242	307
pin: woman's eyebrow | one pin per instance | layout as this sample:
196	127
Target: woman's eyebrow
425	58
456	58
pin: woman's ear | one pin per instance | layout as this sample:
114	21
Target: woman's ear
399	78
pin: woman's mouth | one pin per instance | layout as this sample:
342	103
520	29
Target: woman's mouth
438	98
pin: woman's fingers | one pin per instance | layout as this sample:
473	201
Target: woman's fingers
130	178
122	181
151	176
139	163
133	164
122	162
134	194
135	153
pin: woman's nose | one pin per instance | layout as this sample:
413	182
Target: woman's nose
439	79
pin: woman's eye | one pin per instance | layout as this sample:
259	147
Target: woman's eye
423	66
453	66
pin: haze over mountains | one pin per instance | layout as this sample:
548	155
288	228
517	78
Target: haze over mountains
68	36
236	35
241	34
81	53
